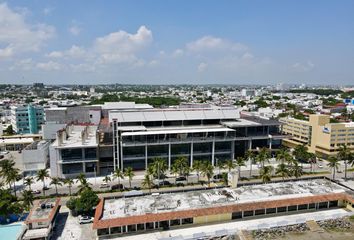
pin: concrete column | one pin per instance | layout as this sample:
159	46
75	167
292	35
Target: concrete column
250	144
146	157
270	143
213	153
109	231
83	167
232	150
191	154
120	164
169	156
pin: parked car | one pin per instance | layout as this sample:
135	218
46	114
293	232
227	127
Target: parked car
117	187
104	185
218	176
164	183
180	179
36	191
85	219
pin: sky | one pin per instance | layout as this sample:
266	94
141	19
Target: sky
177	42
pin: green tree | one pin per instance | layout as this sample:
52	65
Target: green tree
118	174
56	182
225	178
106	179
250	156
9	173
334	164
87	201
283	155
128	172
27	197
9	130
197	167
296	170
300	153
263	156
344	155
282	170
42	174
230	164
266	173
147	182
220	165
28	182
208	171
240	162
8	203
70	183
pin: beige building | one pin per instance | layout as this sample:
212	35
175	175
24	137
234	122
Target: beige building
318	134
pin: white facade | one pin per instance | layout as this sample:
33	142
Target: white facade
35	157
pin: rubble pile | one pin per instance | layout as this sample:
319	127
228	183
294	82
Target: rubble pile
279	231
342	223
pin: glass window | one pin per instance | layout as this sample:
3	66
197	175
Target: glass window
90	153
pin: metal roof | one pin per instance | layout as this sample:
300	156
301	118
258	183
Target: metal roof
221	129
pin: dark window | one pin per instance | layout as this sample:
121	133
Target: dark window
175	222
247	213
236	215
292	208
103	231
187	220
281	209
271	210
260	212
141	226
116	230
71	153
90	153
312	205
333	204
131	228
302	207
150	225
322	205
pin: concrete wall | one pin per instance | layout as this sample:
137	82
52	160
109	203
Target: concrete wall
212	218
49	130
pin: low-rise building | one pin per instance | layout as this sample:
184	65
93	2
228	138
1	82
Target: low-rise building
318	134
74	151
41	219
118	216
27	118
35	157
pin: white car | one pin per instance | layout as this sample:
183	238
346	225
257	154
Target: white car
85	219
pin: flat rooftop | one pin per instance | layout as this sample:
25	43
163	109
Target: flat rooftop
172	202
74	138
43	210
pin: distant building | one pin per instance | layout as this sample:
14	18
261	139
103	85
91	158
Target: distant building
27	118
318	134
35	156
248	92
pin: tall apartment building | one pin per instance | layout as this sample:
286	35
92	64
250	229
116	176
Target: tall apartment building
318	134
27	118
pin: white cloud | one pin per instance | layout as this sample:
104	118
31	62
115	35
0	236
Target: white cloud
83	67
73	52
247	56
202	67
122	46
75	30
23	64
210	43
178	53
49	66
303	67
17	36
55	54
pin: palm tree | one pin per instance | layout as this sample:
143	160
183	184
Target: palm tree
266	173
159	167
42	174
312	159
263	156
296	170
225	178
230	164
282	170
300	153
28	182
250	157
84	185
220	165
7	168
174	170
12	176
208	171
197	167
334	164
283	155
106	179
27	197
70	183
118	173
240	162
147	182
128	172
344	155
56	182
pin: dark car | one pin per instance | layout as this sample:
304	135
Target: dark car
164	183
180	179
117	187
218	176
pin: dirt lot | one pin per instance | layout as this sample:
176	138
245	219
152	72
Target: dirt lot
327	235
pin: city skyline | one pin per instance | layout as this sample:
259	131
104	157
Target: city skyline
175	42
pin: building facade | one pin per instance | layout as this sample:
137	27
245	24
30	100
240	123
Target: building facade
209	134
318	134
27	119
35	157
74	151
